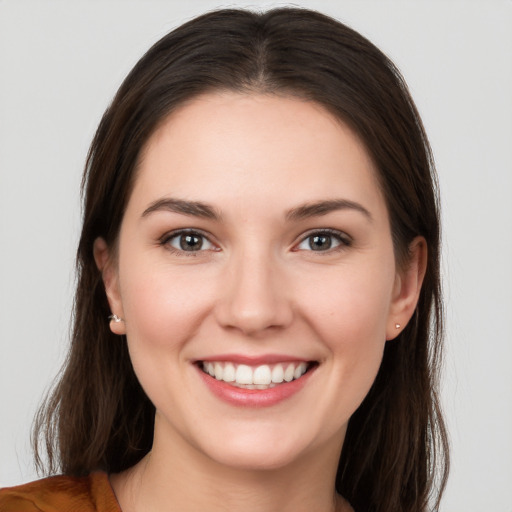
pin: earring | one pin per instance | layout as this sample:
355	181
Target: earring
397	326
115	318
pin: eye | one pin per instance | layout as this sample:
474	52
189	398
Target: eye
188	241
324	241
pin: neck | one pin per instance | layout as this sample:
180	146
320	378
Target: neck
176	477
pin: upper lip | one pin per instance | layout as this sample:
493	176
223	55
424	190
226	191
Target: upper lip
254	360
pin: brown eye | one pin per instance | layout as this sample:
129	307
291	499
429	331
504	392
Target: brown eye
320	242
188	241
324	241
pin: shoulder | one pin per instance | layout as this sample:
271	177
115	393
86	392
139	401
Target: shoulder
92	493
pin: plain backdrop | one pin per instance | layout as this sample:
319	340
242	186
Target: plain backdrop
60	64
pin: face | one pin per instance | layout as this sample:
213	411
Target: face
256	278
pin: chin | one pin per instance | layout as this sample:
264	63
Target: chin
257	449
255	459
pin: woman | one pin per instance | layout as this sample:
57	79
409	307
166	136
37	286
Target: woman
261	231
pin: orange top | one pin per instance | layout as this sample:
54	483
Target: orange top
91	493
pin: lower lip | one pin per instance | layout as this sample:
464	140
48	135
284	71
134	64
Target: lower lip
254	397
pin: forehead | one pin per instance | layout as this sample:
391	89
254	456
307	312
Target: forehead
228	146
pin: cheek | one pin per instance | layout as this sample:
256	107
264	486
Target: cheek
163	309
350	315
351	307
164	306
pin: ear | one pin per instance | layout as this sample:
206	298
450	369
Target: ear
407	288
107	266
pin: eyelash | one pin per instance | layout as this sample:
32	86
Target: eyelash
342	239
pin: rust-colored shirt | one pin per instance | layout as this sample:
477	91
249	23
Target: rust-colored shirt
92	493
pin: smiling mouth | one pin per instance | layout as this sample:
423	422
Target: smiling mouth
265	376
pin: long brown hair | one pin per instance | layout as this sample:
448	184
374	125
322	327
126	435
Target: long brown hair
395	455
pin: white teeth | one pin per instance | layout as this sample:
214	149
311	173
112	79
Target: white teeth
219	371
299	371
229	373
244	375
262	375
289	372
259	377
278	374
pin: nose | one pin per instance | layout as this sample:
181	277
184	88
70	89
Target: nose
254	295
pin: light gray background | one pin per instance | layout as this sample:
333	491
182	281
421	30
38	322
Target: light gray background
61	62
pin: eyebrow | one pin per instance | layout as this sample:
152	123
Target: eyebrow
324	207
192	208
206	211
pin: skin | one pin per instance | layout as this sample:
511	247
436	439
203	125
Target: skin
256	287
